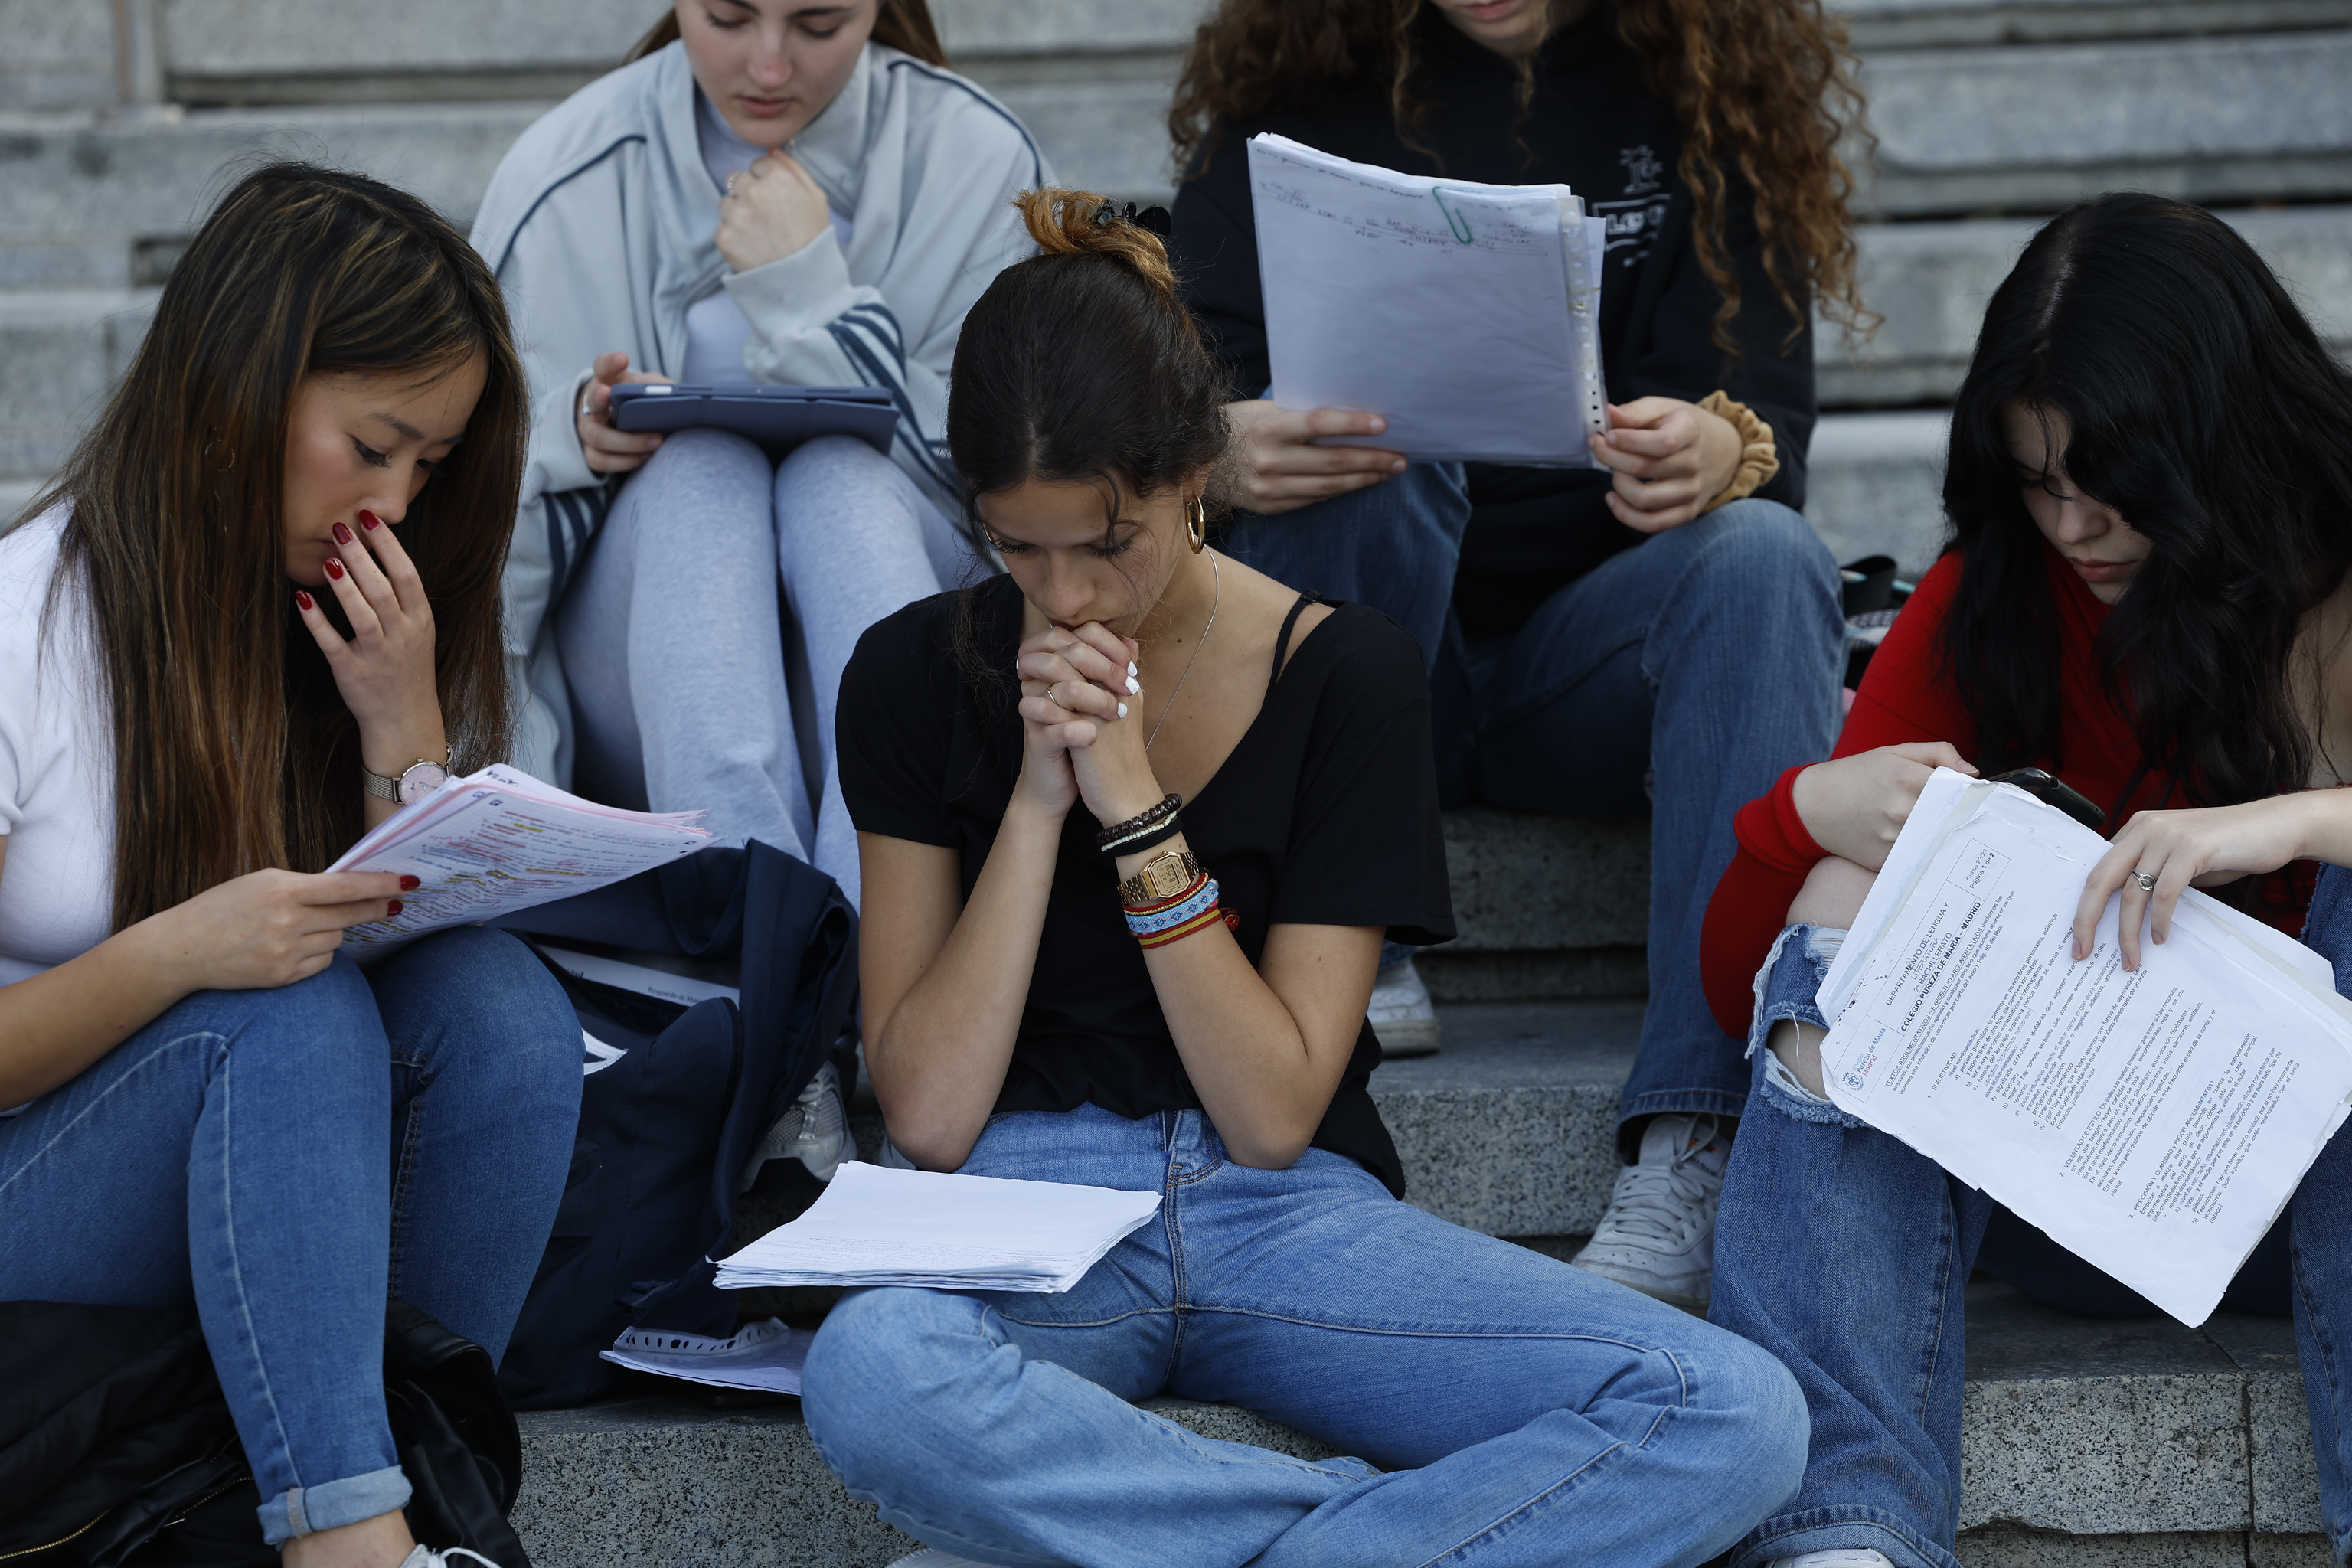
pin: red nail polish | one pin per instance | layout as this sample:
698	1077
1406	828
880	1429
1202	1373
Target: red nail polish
370	522
304	600
409	884
334	568
392	908
342	535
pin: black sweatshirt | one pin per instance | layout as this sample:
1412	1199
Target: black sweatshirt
1595	126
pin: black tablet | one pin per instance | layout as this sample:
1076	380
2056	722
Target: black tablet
775	416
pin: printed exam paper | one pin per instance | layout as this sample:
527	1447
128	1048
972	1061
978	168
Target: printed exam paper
2153	1122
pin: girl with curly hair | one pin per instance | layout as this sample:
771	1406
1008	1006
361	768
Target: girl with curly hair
1595	633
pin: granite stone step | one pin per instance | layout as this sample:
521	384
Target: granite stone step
1932	280
2228	118
2084	1444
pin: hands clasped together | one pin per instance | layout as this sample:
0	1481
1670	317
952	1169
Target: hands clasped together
1080	714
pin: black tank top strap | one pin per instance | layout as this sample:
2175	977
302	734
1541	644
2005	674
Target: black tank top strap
1282	642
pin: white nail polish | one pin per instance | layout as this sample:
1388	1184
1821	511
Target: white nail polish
1131	667
1134	686
1122	709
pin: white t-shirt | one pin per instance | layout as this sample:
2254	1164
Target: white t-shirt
57	764
715	328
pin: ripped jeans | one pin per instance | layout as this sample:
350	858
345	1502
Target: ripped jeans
1845	1254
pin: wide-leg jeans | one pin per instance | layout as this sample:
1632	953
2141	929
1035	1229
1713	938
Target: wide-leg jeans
1518	1411
1846	1254
288	1157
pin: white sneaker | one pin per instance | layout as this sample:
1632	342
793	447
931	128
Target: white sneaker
1835	1557
1402	1015
932	1557
1658	1236
814	1130
426	1557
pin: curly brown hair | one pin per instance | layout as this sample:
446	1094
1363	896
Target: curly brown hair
1764	89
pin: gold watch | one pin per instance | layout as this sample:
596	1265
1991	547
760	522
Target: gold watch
1163	875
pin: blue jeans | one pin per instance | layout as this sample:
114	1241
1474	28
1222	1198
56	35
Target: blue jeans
1677	678
1845	1254
287	1158
1525	1411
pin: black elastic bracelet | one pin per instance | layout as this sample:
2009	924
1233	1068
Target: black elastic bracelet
1148	838
1118	830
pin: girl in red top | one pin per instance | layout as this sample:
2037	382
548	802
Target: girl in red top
2148	593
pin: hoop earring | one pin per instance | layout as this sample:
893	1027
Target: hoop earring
1196	524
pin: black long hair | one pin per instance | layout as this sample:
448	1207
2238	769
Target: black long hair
1079	364
2203	409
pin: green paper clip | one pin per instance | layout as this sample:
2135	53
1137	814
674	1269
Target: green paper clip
1454	221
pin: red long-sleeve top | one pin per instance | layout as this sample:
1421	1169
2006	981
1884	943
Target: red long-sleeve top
1906	697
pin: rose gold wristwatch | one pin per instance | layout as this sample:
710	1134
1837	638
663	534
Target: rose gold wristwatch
416	781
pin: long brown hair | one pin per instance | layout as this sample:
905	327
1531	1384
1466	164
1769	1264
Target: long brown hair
1764	90
233	750
903	24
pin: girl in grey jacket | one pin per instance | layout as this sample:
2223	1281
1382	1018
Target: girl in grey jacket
767	193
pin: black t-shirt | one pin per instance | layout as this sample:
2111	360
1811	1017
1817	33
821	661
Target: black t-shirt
1326	814
1595	125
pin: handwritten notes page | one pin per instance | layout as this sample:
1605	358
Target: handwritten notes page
500	841
1465	313
2153	1122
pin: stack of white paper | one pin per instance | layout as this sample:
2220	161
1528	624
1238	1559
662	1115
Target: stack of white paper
1465	314
879	1226
499	841
764	1355
2153	1122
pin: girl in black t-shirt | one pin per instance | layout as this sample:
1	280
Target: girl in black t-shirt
1133	820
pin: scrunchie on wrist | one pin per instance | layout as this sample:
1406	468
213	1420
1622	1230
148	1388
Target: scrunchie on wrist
1759	456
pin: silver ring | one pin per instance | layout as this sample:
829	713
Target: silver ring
2146	882
733	176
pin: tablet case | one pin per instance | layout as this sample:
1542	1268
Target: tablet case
775	416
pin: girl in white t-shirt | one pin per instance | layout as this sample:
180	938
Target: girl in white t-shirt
258	610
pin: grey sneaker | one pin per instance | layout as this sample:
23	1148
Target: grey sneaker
814	1130
1658	1236
1401	1012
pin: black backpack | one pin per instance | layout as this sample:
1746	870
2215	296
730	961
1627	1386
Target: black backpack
116	1448
668	1125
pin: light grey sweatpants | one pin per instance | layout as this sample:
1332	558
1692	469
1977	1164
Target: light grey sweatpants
675	642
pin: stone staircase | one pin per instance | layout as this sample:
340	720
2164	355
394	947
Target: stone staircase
2088	1443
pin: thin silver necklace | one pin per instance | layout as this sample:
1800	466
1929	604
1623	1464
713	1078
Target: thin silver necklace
1215	594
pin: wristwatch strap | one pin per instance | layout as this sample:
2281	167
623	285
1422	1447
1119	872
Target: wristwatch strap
384	788
1161	877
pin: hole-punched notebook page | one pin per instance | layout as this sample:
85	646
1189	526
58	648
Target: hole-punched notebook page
1465	314
2153	1122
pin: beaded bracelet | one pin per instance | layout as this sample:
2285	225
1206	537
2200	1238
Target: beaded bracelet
1110	838
1149	837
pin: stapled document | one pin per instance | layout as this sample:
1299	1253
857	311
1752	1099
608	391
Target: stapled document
2154	1122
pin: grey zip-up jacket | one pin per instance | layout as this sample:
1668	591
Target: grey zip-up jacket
599	224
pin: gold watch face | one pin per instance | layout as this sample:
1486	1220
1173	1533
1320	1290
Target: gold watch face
1166	877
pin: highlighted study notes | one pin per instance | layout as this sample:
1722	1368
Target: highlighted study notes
1468	315
2153	1122
498	841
